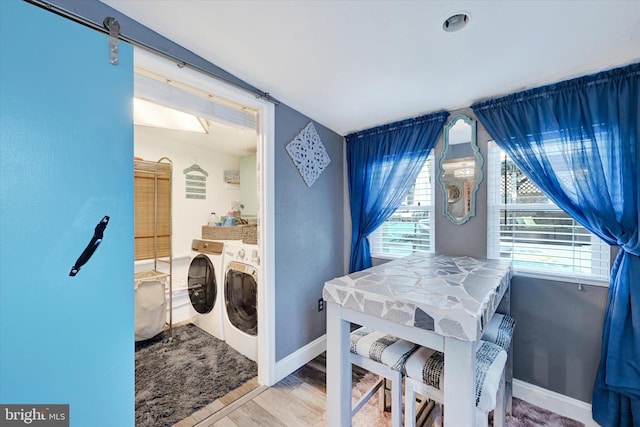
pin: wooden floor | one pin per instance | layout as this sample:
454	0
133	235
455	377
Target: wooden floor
298	400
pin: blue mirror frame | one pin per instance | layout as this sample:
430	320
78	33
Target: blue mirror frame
460	169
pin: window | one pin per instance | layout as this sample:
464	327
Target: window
410	227
531	230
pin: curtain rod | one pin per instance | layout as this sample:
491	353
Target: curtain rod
70	9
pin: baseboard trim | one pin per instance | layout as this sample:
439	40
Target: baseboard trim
300	357
555	402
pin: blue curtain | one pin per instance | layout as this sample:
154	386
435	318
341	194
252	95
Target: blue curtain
383	164
578	141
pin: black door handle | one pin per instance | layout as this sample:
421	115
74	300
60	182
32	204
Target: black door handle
91	247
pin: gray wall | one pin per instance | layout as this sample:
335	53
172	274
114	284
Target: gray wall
469	238
309	230
558	334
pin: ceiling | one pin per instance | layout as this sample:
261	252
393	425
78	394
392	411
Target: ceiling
353	65
220	138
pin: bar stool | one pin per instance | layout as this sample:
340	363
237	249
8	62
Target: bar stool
383	355
500	331
425	375
386	355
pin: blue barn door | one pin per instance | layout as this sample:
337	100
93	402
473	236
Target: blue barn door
66	162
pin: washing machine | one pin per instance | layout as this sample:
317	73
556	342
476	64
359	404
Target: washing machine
205	286
241	265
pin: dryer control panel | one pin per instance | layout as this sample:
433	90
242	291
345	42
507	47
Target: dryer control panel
243	253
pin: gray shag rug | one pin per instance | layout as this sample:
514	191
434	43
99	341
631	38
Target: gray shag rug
176	377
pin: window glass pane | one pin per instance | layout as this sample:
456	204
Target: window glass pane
408	230
518	187
548	240
527	227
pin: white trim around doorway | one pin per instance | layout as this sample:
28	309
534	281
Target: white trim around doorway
146	60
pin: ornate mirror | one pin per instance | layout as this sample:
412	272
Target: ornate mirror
460	169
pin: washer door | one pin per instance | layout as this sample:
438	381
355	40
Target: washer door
241	297
202	284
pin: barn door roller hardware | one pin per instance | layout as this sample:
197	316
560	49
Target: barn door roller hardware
112	24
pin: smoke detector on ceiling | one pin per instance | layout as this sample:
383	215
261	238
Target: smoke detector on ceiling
456	22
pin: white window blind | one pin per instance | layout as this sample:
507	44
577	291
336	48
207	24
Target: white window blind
533	232
410	227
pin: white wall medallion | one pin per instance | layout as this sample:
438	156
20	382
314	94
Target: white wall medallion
308	154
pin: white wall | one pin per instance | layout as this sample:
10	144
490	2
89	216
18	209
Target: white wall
189	215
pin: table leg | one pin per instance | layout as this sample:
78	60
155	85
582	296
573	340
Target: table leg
338	369
459	382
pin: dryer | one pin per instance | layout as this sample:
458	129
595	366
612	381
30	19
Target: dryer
242	264
205	286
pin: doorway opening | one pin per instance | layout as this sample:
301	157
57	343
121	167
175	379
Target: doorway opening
230	136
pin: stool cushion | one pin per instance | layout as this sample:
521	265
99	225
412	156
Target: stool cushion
427	365
500	330
381	347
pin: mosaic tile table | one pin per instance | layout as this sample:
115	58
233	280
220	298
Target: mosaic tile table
438	301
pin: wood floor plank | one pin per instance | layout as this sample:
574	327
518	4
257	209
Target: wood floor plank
215	406
313	377
311	397
203	413
245	388
190	421
252	414
288	408
299	400
225	422
319	364
289	382
228	409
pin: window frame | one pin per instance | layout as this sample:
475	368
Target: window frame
495	158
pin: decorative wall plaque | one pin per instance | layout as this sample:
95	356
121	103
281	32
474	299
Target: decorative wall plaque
195	182
232	176
308	154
